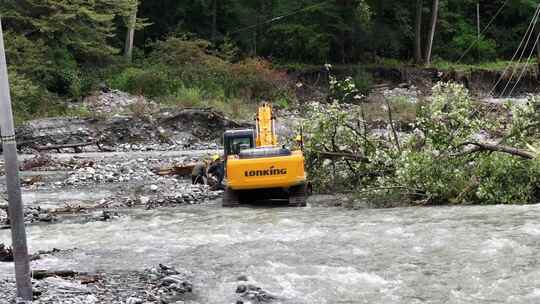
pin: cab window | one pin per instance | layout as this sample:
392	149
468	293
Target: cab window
237	144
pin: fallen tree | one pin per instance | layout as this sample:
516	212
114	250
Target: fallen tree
456	154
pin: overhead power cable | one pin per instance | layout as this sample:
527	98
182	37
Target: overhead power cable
279	17
531	27
527	33
483	31
526	65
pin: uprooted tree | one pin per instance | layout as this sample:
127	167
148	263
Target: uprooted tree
459	152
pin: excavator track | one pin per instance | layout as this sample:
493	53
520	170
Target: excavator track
230	198
298	196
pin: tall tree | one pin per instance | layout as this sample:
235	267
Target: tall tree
130	35
418	32
85	27
214	20
431	35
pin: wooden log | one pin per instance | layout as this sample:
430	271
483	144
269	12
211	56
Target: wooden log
179	169
75	146
42	274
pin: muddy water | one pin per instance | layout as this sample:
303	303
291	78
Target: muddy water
319	255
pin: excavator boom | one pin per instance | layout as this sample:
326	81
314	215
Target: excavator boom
266	132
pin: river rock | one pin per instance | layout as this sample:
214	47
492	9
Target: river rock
6	253
168	284
134	301
250	293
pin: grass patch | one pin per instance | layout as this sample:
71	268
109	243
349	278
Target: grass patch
443	65
234	108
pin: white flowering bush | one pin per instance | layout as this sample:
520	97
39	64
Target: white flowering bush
448	119
429	167
343	91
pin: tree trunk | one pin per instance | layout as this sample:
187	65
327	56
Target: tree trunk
418	33
130	36
214	20
434	16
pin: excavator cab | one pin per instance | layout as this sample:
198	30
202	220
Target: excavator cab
236	140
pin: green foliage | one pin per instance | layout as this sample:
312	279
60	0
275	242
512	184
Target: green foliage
446	120
329	130
481	50
345	90
177	65
82	26
507	180
151	82
428	166
255	79
27	97
440	180
362	80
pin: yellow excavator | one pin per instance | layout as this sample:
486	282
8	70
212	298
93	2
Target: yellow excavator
258	168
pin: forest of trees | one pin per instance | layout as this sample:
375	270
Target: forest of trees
65	48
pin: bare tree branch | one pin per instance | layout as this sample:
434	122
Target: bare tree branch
481	147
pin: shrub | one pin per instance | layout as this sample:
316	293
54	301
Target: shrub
151	82
27	97
343	91
255	79
362	80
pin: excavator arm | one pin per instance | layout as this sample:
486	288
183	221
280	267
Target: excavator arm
265	126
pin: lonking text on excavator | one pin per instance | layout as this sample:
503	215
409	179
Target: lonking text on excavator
258	168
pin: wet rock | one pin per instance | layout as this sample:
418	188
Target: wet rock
34	214
253	294
107	215
169	285
6	253
242	278
134	301
4	220
45	217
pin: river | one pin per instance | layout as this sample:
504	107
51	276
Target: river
483	254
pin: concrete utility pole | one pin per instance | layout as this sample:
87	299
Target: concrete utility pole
16	213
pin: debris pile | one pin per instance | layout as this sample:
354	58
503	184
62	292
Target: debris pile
53	131
182	194
59	290
118	172
115	101
167	285
33	214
